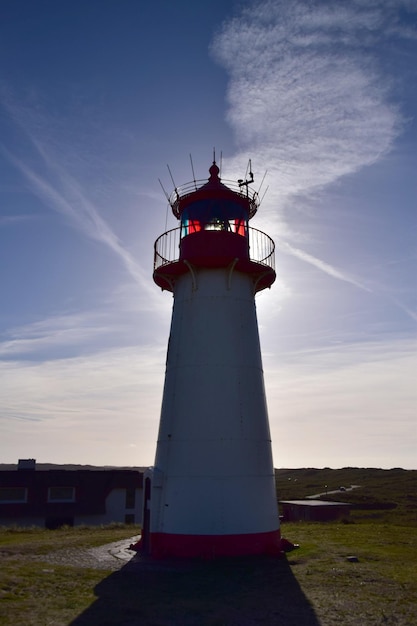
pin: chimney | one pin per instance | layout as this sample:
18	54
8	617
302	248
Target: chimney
27	464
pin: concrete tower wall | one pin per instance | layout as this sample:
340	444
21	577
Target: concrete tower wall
214	460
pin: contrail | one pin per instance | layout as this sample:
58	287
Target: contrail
88	219
321	265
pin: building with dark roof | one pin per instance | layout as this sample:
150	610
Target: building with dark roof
313	510
52	498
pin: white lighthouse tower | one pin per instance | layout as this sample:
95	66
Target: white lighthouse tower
212	491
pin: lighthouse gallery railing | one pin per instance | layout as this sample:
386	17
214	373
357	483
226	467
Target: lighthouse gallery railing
261	248
181	192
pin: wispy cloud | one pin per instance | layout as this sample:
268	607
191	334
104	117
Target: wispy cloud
58	332
96	406
7	220
81	333
410	312
50	180
92	408
305	92
66	196
308	99
362	394
321	265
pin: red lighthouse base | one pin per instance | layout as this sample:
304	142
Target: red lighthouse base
167	545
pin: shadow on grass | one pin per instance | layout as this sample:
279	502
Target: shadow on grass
238	592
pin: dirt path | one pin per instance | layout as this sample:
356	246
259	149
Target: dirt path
111	556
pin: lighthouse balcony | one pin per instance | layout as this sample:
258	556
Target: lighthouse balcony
250	251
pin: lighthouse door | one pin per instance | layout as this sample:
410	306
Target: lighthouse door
145	544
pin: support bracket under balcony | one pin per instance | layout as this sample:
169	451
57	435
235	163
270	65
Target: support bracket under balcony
169	280
193	275
259	278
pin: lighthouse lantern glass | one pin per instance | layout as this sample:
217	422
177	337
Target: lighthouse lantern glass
214	215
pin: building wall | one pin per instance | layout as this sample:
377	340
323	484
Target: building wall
23	522
115	511
297	512
117	507
56	498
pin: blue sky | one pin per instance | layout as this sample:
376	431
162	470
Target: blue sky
95	99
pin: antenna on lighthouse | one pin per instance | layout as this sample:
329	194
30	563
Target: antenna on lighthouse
192	169
250	172
260	187
167	197
247	182
173	182
247	168
264	194
262	181
172	178
163	189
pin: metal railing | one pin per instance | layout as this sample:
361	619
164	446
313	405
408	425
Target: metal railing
261	248
167	248
189	188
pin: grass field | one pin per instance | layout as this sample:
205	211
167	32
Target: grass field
383	495
45	580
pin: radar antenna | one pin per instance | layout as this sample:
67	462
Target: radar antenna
247	181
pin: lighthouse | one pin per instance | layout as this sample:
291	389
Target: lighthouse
211	492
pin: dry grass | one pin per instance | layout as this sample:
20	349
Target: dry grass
50	577
314	585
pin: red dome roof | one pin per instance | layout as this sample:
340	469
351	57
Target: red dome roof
213	189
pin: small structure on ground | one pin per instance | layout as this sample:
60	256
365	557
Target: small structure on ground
313	510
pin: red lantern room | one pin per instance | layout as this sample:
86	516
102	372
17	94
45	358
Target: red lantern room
214	232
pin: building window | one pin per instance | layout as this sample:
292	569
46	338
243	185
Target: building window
130	498
11	495
61	494
129	518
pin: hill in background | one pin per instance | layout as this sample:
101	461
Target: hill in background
73	467
380	494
